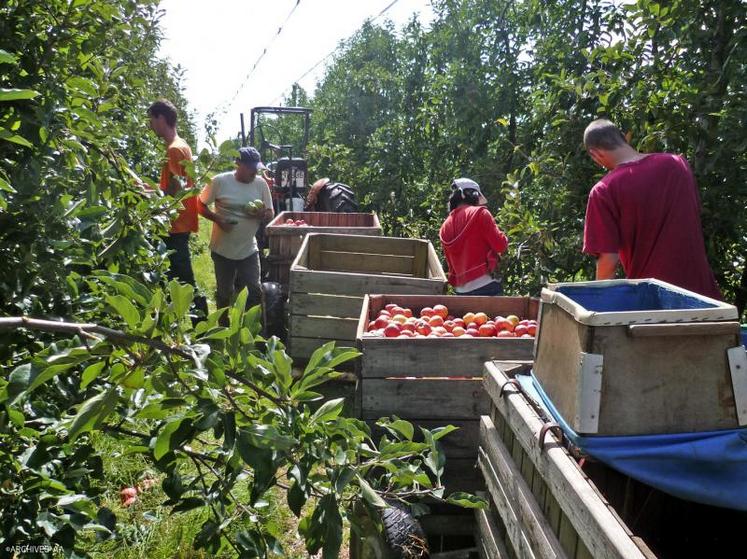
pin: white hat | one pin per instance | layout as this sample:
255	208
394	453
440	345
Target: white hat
468	184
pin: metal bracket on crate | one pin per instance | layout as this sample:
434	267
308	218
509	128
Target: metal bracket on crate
549	426
510	382
738	369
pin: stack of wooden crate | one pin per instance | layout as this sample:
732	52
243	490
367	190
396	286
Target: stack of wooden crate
332	273
284	240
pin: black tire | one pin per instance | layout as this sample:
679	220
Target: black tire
337	197
273	310
401	536
403	533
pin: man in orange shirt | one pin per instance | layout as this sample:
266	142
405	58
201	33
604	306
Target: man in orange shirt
163	116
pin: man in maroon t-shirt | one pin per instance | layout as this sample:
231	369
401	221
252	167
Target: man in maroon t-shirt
645	213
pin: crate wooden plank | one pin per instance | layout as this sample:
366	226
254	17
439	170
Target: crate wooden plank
335	328
371	245
530	517
602	533
504	506
423	398
362	262
319	304
461	356
341	283
490	537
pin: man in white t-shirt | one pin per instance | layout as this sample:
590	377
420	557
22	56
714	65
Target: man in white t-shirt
241	200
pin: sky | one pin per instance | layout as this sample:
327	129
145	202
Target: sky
218	43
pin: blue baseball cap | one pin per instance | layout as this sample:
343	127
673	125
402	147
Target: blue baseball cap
250	157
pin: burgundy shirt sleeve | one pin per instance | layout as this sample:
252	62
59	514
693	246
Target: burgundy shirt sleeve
496	238
601	232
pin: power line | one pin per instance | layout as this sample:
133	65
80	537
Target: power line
227	104
330	53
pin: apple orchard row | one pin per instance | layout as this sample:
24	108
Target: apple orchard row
394	321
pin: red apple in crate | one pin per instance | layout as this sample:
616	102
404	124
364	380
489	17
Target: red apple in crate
436	320
505	334
381	322
426	312
392	330
423	328
520	330
532	329
458	331
487	330
441	310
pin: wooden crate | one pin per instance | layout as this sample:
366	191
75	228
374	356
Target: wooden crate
437	381
541	503
332	273
640	356
285	240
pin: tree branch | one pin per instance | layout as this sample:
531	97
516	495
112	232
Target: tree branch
89	330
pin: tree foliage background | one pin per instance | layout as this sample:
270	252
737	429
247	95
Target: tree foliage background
501	91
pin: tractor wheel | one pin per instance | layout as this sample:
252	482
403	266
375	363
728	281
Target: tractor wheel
273	310
402	537
337	197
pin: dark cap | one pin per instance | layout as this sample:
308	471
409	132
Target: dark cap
250	157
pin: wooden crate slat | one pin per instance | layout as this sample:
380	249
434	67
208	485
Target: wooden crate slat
361	262
348	283
335	328
372	245
423	398
490	538
602	533
530	516
319	304
504	506
438	356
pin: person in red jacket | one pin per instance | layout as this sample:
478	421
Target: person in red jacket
472	241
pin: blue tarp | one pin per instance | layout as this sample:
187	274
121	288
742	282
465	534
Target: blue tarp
643	296
707	467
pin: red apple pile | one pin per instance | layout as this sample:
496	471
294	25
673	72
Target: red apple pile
295	223
394	321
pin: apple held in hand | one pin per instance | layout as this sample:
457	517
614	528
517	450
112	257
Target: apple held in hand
254	207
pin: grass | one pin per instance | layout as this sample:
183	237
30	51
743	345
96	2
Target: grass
149	530
202	263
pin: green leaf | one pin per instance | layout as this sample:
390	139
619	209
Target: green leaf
266	436
170	437
124	308
16	94
440	432
400	449
15	138
7	58
181	297
328	410
5	185
90	373
296	499
467	500
369	495
92	412
400	426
